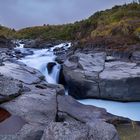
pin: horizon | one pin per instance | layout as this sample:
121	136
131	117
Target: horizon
34	13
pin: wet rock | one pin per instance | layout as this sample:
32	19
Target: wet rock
58	49
50	66
61	58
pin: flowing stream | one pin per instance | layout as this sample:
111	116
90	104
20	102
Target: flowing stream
42	57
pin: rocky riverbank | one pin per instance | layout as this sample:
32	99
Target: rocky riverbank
43	111
96	75
46	110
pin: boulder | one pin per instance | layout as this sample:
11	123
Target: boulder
85	113
81	72
135	56
22	52
21	72
91	76
120	81
61	58
76	130
50	66
9	88
66	131
6	54
30	44
99	130
34	108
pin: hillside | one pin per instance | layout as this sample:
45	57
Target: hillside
7	32
120	21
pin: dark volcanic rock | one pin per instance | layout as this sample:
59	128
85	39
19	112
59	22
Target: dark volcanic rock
50	66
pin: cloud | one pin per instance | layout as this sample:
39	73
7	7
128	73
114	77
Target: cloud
18	13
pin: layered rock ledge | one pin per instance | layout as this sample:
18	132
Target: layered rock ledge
95	75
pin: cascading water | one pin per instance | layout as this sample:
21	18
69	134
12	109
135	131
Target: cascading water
41	58
55	73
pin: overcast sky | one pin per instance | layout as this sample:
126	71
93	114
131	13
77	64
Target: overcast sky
23	13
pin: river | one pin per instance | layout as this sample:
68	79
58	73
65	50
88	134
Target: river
41	57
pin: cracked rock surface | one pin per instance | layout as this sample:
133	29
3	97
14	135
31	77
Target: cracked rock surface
94	76
46	113
49	116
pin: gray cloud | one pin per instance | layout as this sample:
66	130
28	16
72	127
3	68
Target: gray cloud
22	13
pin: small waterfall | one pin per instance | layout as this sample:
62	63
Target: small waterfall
55	73
41	58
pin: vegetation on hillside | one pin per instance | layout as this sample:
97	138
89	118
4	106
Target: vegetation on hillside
7	32
120	21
